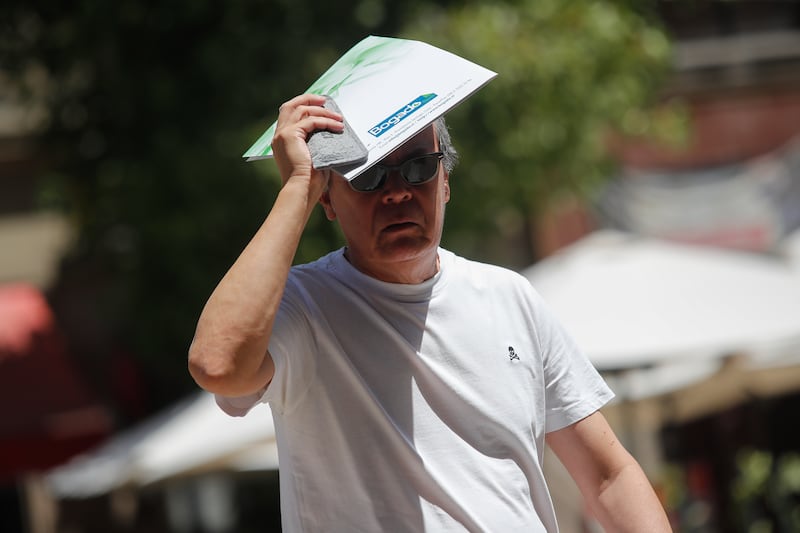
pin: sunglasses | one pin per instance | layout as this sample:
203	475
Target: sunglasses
415	171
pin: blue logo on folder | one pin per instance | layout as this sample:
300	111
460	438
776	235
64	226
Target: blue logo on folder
395	118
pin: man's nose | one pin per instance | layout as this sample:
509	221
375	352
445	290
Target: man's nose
396	189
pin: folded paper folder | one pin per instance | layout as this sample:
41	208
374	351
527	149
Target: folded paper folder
388	90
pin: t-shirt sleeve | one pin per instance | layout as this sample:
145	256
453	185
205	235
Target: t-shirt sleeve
291	345
238	405
291	342
573	387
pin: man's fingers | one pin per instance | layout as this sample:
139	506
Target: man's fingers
313	123
303	99
301	107
296	114
304	127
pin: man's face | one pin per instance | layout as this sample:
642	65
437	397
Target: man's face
398	226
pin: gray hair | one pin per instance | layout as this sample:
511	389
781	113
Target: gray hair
445	145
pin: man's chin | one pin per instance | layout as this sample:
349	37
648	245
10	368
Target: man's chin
404	247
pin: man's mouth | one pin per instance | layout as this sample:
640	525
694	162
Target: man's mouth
399	226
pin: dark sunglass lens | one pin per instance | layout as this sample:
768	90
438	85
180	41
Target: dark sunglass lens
369	180
420	169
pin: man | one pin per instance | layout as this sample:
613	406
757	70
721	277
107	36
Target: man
412	390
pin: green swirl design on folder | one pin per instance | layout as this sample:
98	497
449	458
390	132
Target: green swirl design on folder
366	59
362	61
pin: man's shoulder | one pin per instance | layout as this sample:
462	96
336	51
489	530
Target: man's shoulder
486	272
314	275
464	263
327	263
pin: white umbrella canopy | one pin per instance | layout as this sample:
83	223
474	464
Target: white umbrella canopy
203	436
633	302
193	436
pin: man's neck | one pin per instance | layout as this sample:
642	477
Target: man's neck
409	272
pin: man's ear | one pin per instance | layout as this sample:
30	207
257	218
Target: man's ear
325	202
446	186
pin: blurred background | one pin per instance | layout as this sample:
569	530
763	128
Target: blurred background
638	160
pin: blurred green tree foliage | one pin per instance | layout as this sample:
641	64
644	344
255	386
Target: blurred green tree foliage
569	74
766	491
147	107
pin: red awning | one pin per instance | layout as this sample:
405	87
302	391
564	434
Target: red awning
47	414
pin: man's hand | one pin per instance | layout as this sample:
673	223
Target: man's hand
298	118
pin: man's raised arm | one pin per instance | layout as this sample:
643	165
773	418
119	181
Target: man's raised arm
229	353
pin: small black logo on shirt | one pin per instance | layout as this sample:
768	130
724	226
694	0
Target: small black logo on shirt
512	355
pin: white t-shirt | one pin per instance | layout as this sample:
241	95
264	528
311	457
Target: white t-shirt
419	407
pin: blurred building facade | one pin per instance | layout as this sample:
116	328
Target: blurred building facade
735	182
